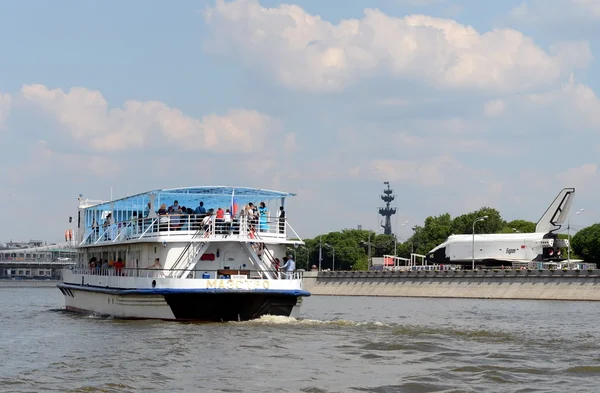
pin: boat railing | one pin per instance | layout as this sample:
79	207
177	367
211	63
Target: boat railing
189	252
224	274
188	225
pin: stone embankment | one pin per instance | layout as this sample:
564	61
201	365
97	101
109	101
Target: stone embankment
487	284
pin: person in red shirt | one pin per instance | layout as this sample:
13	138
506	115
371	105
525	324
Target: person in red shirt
220	220
119	265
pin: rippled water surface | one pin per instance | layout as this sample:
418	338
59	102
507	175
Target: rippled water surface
341	344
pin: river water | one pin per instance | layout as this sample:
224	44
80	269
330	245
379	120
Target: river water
341	344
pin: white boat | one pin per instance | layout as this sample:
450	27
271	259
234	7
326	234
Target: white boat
136	262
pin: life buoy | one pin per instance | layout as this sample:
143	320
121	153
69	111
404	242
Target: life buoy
67	235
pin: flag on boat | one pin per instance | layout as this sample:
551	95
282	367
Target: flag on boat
234	207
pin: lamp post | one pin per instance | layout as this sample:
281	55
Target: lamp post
307	256
412	244
369	252
369	248
569	236
333	262
320	251
396	238
473	249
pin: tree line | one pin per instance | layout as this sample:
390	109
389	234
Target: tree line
351	246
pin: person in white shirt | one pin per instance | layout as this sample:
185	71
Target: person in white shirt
157	266
289	267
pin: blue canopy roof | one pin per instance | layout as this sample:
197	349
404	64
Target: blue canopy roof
212	196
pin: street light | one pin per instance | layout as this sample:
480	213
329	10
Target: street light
412	245
569	236
369	247
333	249
320	250
474	222
396	238
307	256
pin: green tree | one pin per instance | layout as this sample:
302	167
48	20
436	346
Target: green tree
516	226
586	243
494	223
350	250
435	231
382	245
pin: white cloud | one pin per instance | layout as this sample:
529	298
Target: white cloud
576	106
5	104
590	7
421	2
430	172
304	52
584	177
556	11
289	144
87	116
493	108
95	165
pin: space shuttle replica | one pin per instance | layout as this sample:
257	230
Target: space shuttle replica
505	248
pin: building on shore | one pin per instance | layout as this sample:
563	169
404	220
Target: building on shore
21	261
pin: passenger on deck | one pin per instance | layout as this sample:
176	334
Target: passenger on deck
254	214
163	218
207	221
157	266
263	212
281	219
95	228
277	264
106	226
176	218
173	208
289	267
260	250
227	222
220	220
119	265
200	210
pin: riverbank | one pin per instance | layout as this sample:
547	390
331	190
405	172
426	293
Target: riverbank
487	284
7	283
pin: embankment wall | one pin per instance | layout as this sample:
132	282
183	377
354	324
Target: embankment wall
500	284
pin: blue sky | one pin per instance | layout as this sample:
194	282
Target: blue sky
459	104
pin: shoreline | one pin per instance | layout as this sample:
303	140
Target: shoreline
497	284
8	283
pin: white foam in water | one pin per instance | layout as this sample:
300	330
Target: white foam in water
281	320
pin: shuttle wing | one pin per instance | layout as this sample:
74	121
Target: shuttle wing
557	213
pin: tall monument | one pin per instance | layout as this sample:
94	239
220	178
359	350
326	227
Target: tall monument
387	211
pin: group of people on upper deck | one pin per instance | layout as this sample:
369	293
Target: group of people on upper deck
177	217
257	217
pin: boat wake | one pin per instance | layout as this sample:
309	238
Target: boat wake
281	320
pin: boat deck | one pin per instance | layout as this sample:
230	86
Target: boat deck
186	228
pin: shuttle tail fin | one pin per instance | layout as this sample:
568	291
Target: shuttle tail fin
557	213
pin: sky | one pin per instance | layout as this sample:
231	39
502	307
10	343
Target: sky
459	104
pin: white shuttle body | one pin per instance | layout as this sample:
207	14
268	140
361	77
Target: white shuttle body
505	248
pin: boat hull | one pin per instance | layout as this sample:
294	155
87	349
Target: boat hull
180	305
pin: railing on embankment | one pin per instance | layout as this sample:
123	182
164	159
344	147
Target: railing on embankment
492	284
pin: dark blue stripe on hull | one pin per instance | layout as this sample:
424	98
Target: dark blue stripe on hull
229	306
